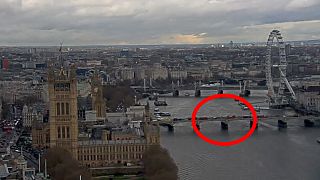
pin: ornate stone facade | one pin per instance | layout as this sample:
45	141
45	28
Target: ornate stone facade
113	146
63	116
98	102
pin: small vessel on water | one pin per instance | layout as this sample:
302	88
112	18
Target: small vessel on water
308	123
160	103
197	93
246	93
282	124
153	97
162	114
318	140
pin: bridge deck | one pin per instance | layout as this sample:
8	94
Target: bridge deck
228	119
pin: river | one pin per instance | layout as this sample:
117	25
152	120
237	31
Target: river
269	154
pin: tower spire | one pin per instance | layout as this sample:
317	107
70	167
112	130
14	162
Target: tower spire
60	55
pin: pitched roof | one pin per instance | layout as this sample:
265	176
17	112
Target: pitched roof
4	172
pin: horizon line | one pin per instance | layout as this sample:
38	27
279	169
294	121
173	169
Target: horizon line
164	44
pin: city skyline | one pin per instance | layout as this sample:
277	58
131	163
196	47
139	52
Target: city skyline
104	111
37	23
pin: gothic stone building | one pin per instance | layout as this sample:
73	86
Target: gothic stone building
113	147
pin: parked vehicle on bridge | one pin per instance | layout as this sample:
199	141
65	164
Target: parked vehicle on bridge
217	84
202	118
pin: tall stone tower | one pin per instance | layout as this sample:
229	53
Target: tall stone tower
98	102
151	130
63	119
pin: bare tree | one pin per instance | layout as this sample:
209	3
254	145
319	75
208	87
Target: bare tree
62	166
159	165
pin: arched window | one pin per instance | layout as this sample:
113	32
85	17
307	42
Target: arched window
67	109
68	132
63	132
58	109
101	111
59	133
62	108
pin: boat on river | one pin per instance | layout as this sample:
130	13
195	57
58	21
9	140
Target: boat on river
160	103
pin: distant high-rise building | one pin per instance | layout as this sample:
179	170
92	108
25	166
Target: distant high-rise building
124	53
0	109
231	45
5	64
288	49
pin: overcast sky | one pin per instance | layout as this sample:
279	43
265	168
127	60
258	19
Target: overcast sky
83	22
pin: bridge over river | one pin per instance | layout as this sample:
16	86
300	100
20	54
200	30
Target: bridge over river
196	92
282	121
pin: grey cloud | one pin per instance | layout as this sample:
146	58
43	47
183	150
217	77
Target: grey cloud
38	22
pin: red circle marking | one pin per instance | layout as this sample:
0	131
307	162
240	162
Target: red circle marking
220	143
